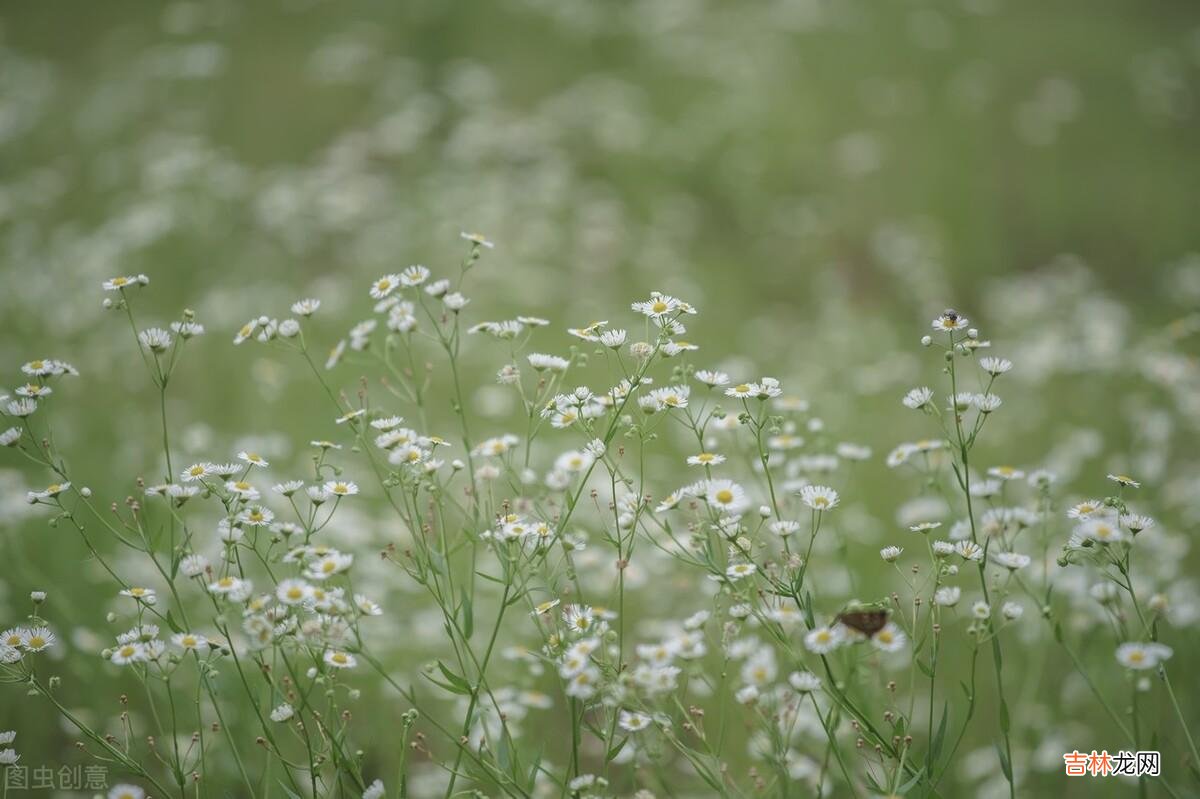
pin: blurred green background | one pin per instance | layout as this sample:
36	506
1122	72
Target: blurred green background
820	178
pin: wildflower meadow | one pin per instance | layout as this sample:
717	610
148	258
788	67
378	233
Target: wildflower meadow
311	491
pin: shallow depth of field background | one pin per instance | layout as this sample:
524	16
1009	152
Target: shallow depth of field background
818	178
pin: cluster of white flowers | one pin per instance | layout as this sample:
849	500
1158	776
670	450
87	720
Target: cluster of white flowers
246	582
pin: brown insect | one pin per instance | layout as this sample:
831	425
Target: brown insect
950	314
867	622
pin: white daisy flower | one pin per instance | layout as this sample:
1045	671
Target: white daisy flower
918	397
820	498
542	362
339	659
995	366
1142	656
726	495
739	570
890	639
478	239
821	640
414	275
632	721
384	286
341	488
190	642
1011	560
948	321
947	596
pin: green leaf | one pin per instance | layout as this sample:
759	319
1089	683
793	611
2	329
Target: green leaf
290	793
454	679
926	670
468	614
906	787
175	628
616	750
531	781
1005	766
935	748
1004	720
490	578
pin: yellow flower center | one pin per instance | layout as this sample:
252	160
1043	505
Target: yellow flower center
724	496
659	306
36	641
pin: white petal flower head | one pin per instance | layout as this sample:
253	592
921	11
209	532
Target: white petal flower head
341	488
339	659
947	596
891	554
38	639
22	408
981	609
1141	656
821	640
948	321
819	498
282	712
1011	560
632	721
306	307
737	571
384	286
253	458
375	790
727	496
613	339
190	642
1101	530
477	239
126	792
995	366
660	305
804	681
890	639
414	275
918	397
155	339
124	282
711	378
969	550
552	363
